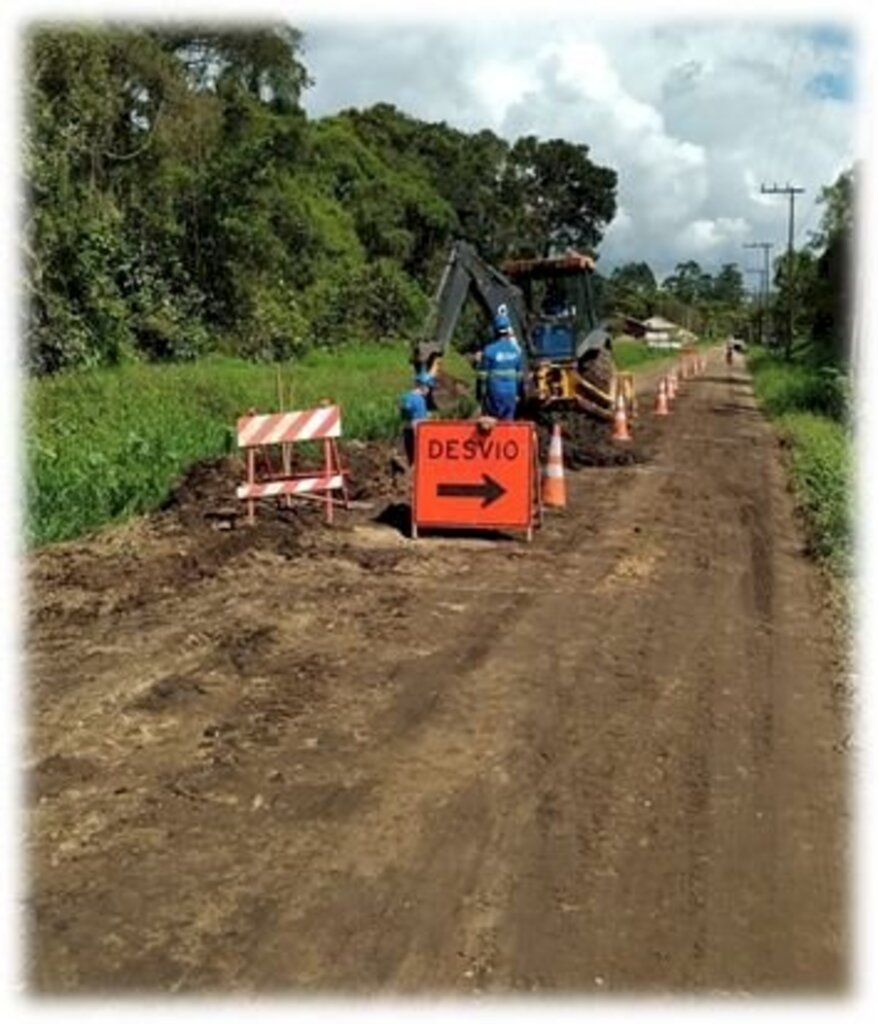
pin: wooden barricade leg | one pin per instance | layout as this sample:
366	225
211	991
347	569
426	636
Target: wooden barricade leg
251	479
340	470
287	463
327	459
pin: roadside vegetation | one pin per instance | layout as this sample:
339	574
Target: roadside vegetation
808	389
811	404
629	353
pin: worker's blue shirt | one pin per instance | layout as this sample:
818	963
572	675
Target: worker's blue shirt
413	407
501	368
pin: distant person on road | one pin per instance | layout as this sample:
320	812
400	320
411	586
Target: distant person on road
730	352
501	372
415	406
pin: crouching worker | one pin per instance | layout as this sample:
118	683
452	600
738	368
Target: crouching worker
500	374
414	406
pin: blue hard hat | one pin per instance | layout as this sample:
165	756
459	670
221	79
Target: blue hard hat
425	379
501	322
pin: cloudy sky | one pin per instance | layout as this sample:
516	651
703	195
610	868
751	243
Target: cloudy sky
694	116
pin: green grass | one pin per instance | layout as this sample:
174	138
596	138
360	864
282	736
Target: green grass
103	445
799	385
821	460
628	353
811	404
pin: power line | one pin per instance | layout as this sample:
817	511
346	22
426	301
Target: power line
792	191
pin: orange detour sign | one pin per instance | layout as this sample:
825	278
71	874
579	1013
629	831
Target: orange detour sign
470	477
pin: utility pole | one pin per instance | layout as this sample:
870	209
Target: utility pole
792	191
765	247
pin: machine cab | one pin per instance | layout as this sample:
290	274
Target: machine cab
560	302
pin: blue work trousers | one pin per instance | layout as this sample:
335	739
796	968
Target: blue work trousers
501	404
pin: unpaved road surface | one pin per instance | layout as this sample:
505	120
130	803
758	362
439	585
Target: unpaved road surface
299	759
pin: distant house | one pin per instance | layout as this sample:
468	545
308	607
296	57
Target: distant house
661	333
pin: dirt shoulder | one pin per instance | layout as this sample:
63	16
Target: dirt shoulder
300	759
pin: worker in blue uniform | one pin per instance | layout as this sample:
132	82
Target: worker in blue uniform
415	406
501	372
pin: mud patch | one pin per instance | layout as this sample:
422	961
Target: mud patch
58	772
248	648
374	560
320	801
169	692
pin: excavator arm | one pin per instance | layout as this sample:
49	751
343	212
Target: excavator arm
465	274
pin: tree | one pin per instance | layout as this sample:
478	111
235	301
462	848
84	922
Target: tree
631	289
689	283
181	200
728	285
562	199
831	301
804	279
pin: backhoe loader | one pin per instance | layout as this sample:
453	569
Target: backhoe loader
550	303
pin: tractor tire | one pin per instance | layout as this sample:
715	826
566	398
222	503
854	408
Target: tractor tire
598	368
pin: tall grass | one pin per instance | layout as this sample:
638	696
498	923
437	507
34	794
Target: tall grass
811	404
106	444
803	385
821	460
628	353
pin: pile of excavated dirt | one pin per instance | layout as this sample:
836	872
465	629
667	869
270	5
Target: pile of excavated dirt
587	441
204	498
449	392
205	494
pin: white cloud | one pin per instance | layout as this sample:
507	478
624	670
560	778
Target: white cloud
707	237
497	83
694	116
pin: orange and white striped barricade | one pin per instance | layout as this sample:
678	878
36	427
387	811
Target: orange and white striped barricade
259	431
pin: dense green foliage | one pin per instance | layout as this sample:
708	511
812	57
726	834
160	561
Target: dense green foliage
709	305
820	278
812	405
181	202
139	426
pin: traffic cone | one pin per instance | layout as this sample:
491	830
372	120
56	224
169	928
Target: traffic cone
620	421
554	489
661	399
672	385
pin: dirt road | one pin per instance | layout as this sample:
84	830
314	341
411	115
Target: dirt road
345	761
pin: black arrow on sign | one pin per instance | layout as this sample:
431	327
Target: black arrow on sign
488	490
